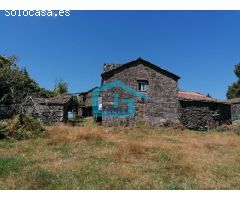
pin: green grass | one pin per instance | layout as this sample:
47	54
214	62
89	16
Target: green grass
11	164
95	157
6	144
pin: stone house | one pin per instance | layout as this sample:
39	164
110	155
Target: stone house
53	110
165	104
198	112
155	82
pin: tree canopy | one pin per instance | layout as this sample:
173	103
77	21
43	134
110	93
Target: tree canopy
61	87
234	89
16	84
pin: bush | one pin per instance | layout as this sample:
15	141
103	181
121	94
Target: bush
22	127
3	126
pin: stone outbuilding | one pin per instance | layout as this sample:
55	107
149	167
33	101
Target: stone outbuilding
198	112
53	110
85	103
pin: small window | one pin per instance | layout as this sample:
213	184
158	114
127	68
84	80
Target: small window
100	103
142	86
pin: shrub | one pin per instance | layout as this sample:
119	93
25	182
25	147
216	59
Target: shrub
3	126
22	127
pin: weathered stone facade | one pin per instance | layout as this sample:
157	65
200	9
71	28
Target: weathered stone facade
52	110
235	109
162	86
203	115
85	103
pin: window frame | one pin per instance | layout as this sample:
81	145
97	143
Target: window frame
142	85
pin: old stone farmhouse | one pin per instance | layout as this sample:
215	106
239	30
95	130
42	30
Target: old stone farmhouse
158	84
166	103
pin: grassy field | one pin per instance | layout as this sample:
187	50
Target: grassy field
95	157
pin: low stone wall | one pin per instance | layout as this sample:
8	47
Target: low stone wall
198	115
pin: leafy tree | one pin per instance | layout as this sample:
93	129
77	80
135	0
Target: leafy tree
234	89
61	87
16	85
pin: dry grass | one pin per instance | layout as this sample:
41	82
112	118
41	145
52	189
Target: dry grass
95	157
128	149
68	134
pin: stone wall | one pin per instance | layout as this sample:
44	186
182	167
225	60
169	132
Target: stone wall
203	116
85	102
235	112
162	90
47	114
52	110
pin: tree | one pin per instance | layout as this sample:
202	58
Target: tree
234	89
61	87
16	85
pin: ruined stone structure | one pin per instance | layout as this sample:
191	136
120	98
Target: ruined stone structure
158	84
52	110
199	112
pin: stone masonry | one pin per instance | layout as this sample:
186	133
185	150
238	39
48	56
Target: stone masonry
162	88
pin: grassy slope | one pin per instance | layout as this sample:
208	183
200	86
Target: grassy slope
93	157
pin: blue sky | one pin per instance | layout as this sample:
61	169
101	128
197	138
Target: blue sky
201	47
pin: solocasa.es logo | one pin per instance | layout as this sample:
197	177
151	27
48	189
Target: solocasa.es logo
115	110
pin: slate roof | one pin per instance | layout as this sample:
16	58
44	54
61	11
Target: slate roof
59	100
83	93
112	68
194	96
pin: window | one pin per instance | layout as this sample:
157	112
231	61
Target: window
142	86
100	103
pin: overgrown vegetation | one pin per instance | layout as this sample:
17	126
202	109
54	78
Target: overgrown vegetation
20	127
61	87
17	87
96	157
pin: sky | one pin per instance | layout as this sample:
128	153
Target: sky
201	47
